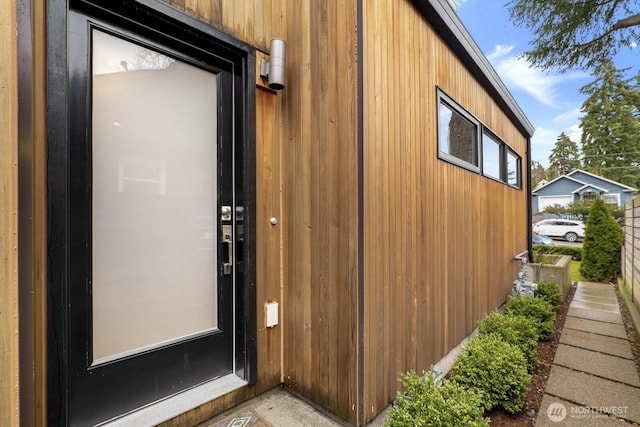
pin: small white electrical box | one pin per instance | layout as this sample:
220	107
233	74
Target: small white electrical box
271	309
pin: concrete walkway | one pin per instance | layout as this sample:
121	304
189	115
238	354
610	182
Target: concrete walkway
279	408
593	379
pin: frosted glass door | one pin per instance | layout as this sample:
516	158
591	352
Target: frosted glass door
154	199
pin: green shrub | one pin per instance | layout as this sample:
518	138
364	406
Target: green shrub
426	403
549	292
495	370
575	253
601	245
535	308
520	331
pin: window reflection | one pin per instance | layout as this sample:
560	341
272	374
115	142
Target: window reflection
491	157
458	136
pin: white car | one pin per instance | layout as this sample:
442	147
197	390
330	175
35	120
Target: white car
567	229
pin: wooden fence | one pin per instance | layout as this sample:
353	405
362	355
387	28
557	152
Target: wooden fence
631	250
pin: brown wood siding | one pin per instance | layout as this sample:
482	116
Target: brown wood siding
307	179
253	21
9	367
439	239
320	199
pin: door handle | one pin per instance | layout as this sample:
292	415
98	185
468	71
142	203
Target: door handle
227	244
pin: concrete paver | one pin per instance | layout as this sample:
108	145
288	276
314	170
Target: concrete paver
595	306
586	390
601	316
283	409
597	286
593	380
600	298
276	408
596	363
596	327
607	345
558	412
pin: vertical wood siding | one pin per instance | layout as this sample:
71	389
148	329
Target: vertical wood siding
253	21
439	239
320	200
9	367
313	194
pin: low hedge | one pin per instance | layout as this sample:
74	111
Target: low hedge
536	308
520	331
549	292
575	253
427	403
495	370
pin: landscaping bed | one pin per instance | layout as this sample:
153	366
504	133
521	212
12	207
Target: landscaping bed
546	353
501	374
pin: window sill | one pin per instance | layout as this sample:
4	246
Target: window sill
165	409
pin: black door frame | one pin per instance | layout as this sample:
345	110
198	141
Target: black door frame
155	18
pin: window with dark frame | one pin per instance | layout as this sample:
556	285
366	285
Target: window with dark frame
514	175
458	140
492	157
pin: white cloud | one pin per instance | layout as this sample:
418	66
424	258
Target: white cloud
544	139
500	51
572	115
574	133
570	124
517	73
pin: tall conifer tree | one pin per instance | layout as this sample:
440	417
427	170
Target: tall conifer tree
611	126
564	156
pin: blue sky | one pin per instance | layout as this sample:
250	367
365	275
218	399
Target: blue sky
550	100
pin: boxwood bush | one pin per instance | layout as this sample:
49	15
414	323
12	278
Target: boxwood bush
495	370
535	308
520	331
427	403
549	292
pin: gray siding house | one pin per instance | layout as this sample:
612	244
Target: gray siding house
579	185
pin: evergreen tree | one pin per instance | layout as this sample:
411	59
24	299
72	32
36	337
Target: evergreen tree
611	126
602	243
564	156
538	173
569	34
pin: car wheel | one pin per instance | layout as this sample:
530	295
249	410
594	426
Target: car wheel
571	237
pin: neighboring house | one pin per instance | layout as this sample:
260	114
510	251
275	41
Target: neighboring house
178	236
579	185
542	183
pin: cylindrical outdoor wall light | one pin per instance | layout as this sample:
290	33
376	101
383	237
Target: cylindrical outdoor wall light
274	69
